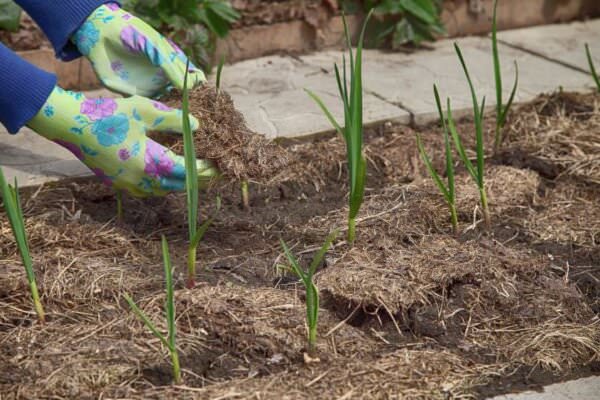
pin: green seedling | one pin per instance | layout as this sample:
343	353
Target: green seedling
312	293
449	191
191	177
245	195
588	53
170	341
501	109
219	73
12	205
353	125
477	172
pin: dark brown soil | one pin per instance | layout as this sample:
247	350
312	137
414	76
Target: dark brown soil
410	311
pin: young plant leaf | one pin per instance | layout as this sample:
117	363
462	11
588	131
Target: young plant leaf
432	172
501	109
12	205
170	341
312	293
149	324
590	60
219	72
326	111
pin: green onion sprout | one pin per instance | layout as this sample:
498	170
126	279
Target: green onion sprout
448	192
191	185
588	53
170	341
219	72
353	125
501	110
12	205
312	293
477	173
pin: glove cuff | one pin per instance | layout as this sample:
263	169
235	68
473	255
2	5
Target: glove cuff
25	89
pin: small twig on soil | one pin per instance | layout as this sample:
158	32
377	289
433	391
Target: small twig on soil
342	322
389	312
317	379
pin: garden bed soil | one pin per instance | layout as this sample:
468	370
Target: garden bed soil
411	311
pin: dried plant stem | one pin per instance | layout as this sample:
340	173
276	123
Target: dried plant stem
119	197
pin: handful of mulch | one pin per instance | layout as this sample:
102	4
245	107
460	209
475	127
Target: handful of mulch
224	138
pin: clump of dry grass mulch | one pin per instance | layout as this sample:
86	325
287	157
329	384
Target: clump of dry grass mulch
561	129
224	138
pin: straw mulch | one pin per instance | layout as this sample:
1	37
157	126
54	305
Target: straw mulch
410	311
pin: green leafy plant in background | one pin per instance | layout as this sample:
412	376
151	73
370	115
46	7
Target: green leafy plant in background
588	53
312	293
449	191
352	132
405	22
194	24
10	15
170	341
501	109
12	205
477	172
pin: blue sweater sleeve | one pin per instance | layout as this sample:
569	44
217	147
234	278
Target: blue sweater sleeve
24	88
60	19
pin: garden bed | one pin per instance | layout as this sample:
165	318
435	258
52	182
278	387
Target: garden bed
410	311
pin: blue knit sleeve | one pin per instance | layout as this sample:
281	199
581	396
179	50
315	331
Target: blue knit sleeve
60	19
24	88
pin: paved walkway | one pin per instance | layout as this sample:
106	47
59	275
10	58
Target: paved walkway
580	389
398	87
269	92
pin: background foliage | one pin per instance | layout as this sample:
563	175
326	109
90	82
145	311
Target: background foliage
193	24
10	14
401	22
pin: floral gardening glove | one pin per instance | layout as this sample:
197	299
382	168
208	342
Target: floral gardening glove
109	136
129	56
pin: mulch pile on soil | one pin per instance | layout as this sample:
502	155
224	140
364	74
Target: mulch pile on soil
224	138
409	311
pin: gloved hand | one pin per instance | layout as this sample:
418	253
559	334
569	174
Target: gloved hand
129	56
109	136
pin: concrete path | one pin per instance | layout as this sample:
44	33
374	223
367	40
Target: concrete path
398	87
580	389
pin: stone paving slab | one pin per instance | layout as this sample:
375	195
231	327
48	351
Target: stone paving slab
580	389
269	91
562	43
398	87
33	160
407	79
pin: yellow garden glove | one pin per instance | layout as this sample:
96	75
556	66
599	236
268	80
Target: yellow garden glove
129	56
109	136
